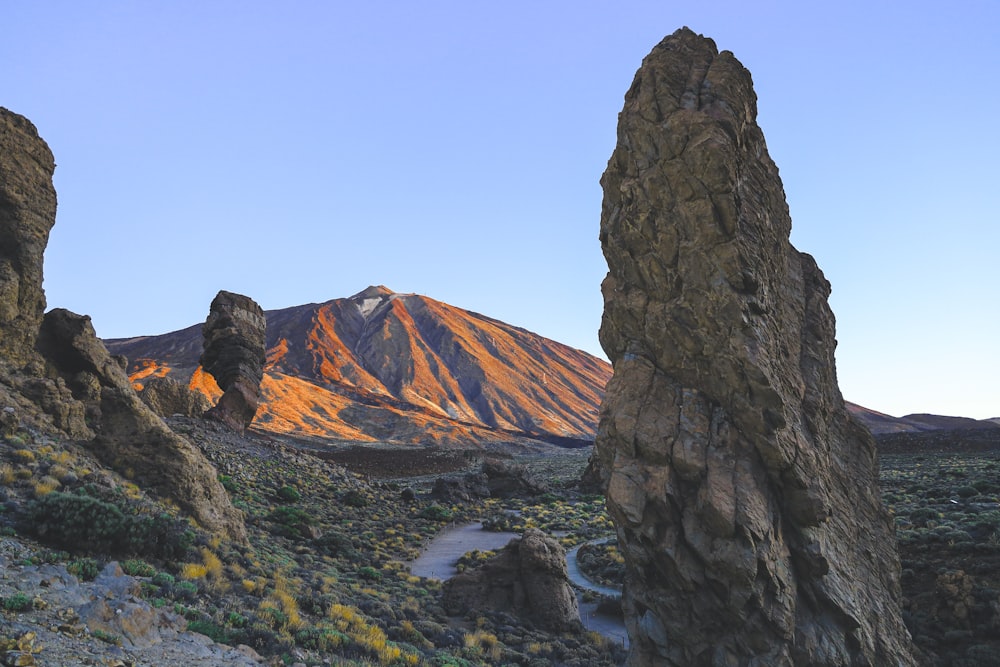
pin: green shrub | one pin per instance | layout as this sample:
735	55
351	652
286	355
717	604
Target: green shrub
84	568
137	568
355	498
436	513
291	521
370	573
212	630
16	602
227	483
289	494
163	579
81	522
334	543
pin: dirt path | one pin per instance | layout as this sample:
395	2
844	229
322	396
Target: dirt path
439	558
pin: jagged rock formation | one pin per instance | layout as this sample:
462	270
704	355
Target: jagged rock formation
384	366
527	577
235	338
129	435
167	397
27	214
745	496
56	375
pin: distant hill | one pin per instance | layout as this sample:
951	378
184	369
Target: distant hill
382	366
879	423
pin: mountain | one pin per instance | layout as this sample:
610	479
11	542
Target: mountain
879	423
382	366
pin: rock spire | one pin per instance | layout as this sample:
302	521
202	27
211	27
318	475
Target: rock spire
234	354
745	496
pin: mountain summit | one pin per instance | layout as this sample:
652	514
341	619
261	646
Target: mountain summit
385	366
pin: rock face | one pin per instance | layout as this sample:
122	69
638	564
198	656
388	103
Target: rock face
745	496
528	577
234	354
55	373
129	435
27	214
167	397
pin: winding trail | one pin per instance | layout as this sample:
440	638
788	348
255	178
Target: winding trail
438	560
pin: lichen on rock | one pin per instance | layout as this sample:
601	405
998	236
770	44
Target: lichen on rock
745	496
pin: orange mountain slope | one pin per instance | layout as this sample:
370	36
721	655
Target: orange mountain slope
381	366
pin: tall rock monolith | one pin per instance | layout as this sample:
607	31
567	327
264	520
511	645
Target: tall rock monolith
745	497
234	354
27	214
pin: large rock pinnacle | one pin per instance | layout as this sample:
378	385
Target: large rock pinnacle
27	214
745	497
234	353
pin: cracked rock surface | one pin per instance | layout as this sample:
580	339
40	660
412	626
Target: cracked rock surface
745	496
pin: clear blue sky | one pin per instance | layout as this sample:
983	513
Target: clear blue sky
298	152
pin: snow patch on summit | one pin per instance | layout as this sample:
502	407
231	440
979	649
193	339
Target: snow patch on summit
368	305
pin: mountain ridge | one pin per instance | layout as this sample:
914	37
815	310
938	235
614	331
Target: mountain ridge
381	365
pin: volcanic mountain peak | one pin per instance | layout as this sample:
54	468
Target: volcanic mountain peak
372	298
381	365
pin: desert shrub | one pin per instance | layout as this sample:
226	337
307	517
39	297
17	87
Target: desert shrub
354	498
16	602
137	568
78	521
163	579
227	483
966	491
370	573
436	512
289	494
213	631
185	590
334	543
84	568
291	521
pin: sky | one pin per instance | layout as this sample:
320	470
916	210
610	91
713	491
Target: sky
298	152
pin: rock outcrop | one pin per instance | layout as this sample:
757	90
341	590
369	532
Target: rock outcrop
234	354
168	397
56	375
527	577
129	435
745	496
27	214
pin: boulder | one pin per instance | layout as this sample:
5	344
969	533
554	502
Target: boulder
234	354
527	577
167	397
506	479
745	496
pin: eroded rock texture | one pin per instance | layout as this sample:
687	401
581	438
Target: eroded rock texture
57	376
745	497
129	435
27	214
527	577
235	345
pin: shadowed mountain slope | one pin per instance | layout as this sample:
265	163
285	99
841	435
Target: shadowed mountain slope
879	423
401	367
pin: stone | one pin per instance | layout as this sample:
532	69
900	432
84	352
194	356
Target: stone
129	435
234	354
745	496
527	577
167	397
506	479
